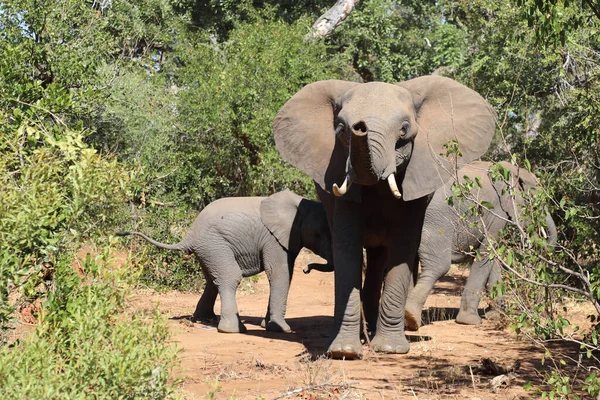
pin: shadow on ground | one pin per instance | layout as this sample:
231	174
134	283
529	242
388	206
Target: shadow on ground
312	332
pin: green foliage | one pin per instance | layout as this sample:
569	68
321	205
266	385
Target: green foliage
165	269
217	141
553	20
55	190
230	94
220	17
392	41
536	278
86	347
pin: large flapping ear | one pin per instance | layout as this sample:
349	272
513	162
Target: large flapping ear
446	110
305	133
279	214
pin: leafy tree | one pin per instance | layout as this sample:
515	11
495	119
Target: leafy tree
229	95
392	41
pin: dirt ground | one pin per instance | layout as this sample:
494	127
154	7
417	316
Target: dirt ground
443	362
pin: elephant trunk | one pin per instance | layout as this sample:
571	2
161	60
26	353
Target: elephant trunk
372	157
361	159
372	152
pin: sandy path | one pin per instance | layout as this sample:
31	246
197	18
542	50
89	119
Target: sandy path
264	364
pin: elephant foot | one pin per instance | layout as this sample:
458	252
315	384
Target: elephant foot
468	318
206	317
347	349
412	318
228	326
395	344
276	326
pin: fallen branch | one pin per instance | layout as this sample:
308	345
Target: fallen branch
160	203
319	386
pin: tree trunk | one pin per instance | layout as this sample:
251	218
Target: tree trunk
331	19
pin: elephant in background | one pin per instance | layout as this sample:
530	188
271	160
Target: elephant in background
448	238
241	236
356	140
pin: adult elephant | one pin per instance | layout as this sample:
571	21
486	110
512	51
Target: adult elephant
450	237
354	139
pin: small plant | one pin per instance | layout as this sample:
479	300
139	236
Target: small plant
215	387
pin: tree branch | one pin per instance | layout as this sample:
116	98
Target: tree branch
594	9
331	19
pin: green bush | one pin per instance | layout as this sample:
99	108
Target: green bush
54	191
392	41
87	346
229	95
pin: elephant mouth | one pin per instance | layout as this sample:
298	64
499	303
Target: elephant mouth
391	180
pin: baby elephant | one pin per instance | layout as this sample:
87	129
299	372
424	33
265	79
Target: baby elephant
241	236
447	238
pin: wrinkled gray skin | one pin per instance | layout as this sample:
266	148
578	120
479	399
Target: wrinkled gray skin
448	239
358	141
241	236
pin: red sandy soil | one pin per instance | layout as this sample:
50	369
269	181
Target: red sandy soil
276	365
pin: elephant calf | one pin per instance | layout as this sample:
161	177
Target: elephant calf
242	236
447	238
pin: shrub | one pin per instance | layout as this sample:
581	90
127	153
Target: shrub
86	346
54	190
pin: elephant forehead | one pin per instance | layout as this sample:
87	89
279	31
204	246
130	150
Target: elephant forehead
377	98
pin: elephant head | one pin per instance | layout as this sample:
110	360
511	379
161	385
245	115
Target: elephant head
341	132
524	181
297	222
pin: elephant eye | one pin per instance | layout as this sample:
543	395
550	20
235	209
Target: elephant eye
404	129
340	131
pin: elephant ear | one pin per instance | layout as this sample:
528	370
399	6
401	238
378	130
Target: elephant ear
279	214
521	178
446	110
305	134
527	179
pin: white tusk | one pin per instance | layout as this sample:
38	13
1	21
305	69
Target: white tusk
393	186
340	191
544	234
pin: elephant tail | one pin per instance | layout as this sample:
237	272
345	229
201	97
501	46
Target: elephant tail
181	246
552	232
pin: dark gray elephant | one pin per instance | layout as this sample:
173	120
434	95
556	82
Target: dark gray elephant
241	236
354	139
450	238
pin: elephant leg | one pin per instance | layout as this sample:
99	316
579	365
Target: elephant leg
371	292
226	275
500	301
347	258
390	336
435	260
206	304
475	286
401	265
280	276
230	318
495	275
